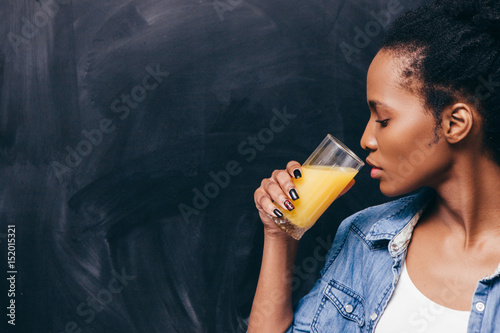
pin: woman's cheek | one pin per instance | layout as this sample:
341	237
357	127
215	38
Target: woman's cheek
400	177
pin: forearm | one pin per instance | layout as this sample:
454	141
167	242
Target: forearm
272	306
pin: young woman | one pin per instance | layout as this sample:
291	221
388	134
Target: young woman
427	262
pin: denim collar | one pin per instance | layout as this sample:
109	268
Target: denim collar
398	227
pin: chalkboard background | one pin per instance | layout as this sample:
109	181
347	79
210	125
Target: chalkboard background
133	135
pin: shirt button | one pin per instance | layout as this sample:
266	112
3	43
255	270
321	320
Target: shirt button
374	316
480	306
348	308
395	247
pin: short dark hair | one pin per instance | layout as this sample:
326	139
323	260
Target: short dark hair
454	47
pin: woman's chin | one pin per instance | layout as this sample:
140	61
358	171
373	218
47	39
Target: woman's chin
389	189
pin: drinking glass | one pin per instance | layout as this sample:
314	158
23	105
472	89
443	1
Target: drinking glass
324	175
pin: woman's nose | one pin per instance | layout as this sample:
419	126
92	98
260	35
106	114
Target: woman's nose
368	140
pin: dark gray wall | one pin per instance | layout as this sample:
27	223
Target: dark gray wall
115	113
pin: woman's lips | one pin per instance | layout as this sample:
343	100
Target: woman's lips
375	173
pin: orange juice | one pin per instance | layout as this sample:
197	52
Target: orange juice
317	188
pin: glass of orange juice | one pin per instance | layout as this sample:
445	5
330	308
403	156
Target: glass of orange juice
324	175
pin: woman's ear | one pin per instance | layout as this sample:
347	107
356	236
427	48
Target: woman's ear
457	122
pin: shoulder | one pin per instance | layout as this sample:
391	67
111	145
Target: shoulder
354	268
381	221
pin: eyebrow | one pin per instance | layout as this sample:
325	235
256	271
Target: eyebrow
374	103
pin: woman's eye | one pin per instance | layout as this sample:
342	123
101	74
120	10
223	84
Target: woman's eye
383	123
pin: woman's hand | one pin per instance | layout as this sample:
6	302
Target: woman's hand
279	189
271	313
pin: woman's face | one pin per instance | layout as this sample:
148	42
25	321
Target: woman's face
400	135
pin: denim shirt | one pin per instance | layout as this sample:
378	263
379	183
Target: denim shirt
362	269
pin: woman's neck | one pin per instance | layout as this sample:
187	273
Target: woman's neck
468	201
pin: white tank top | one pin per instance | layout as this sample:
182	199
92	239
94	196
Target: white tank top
409	311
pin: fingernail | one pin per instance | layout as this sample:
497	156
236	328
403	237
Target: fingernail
297	173
288	204
278	213
293	194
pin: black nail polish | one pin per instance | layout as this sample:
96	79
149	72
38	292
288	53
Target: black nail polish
278	213
288	204
293	194
297	173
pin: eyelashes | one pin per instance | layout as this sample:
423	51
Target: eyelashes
383	123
